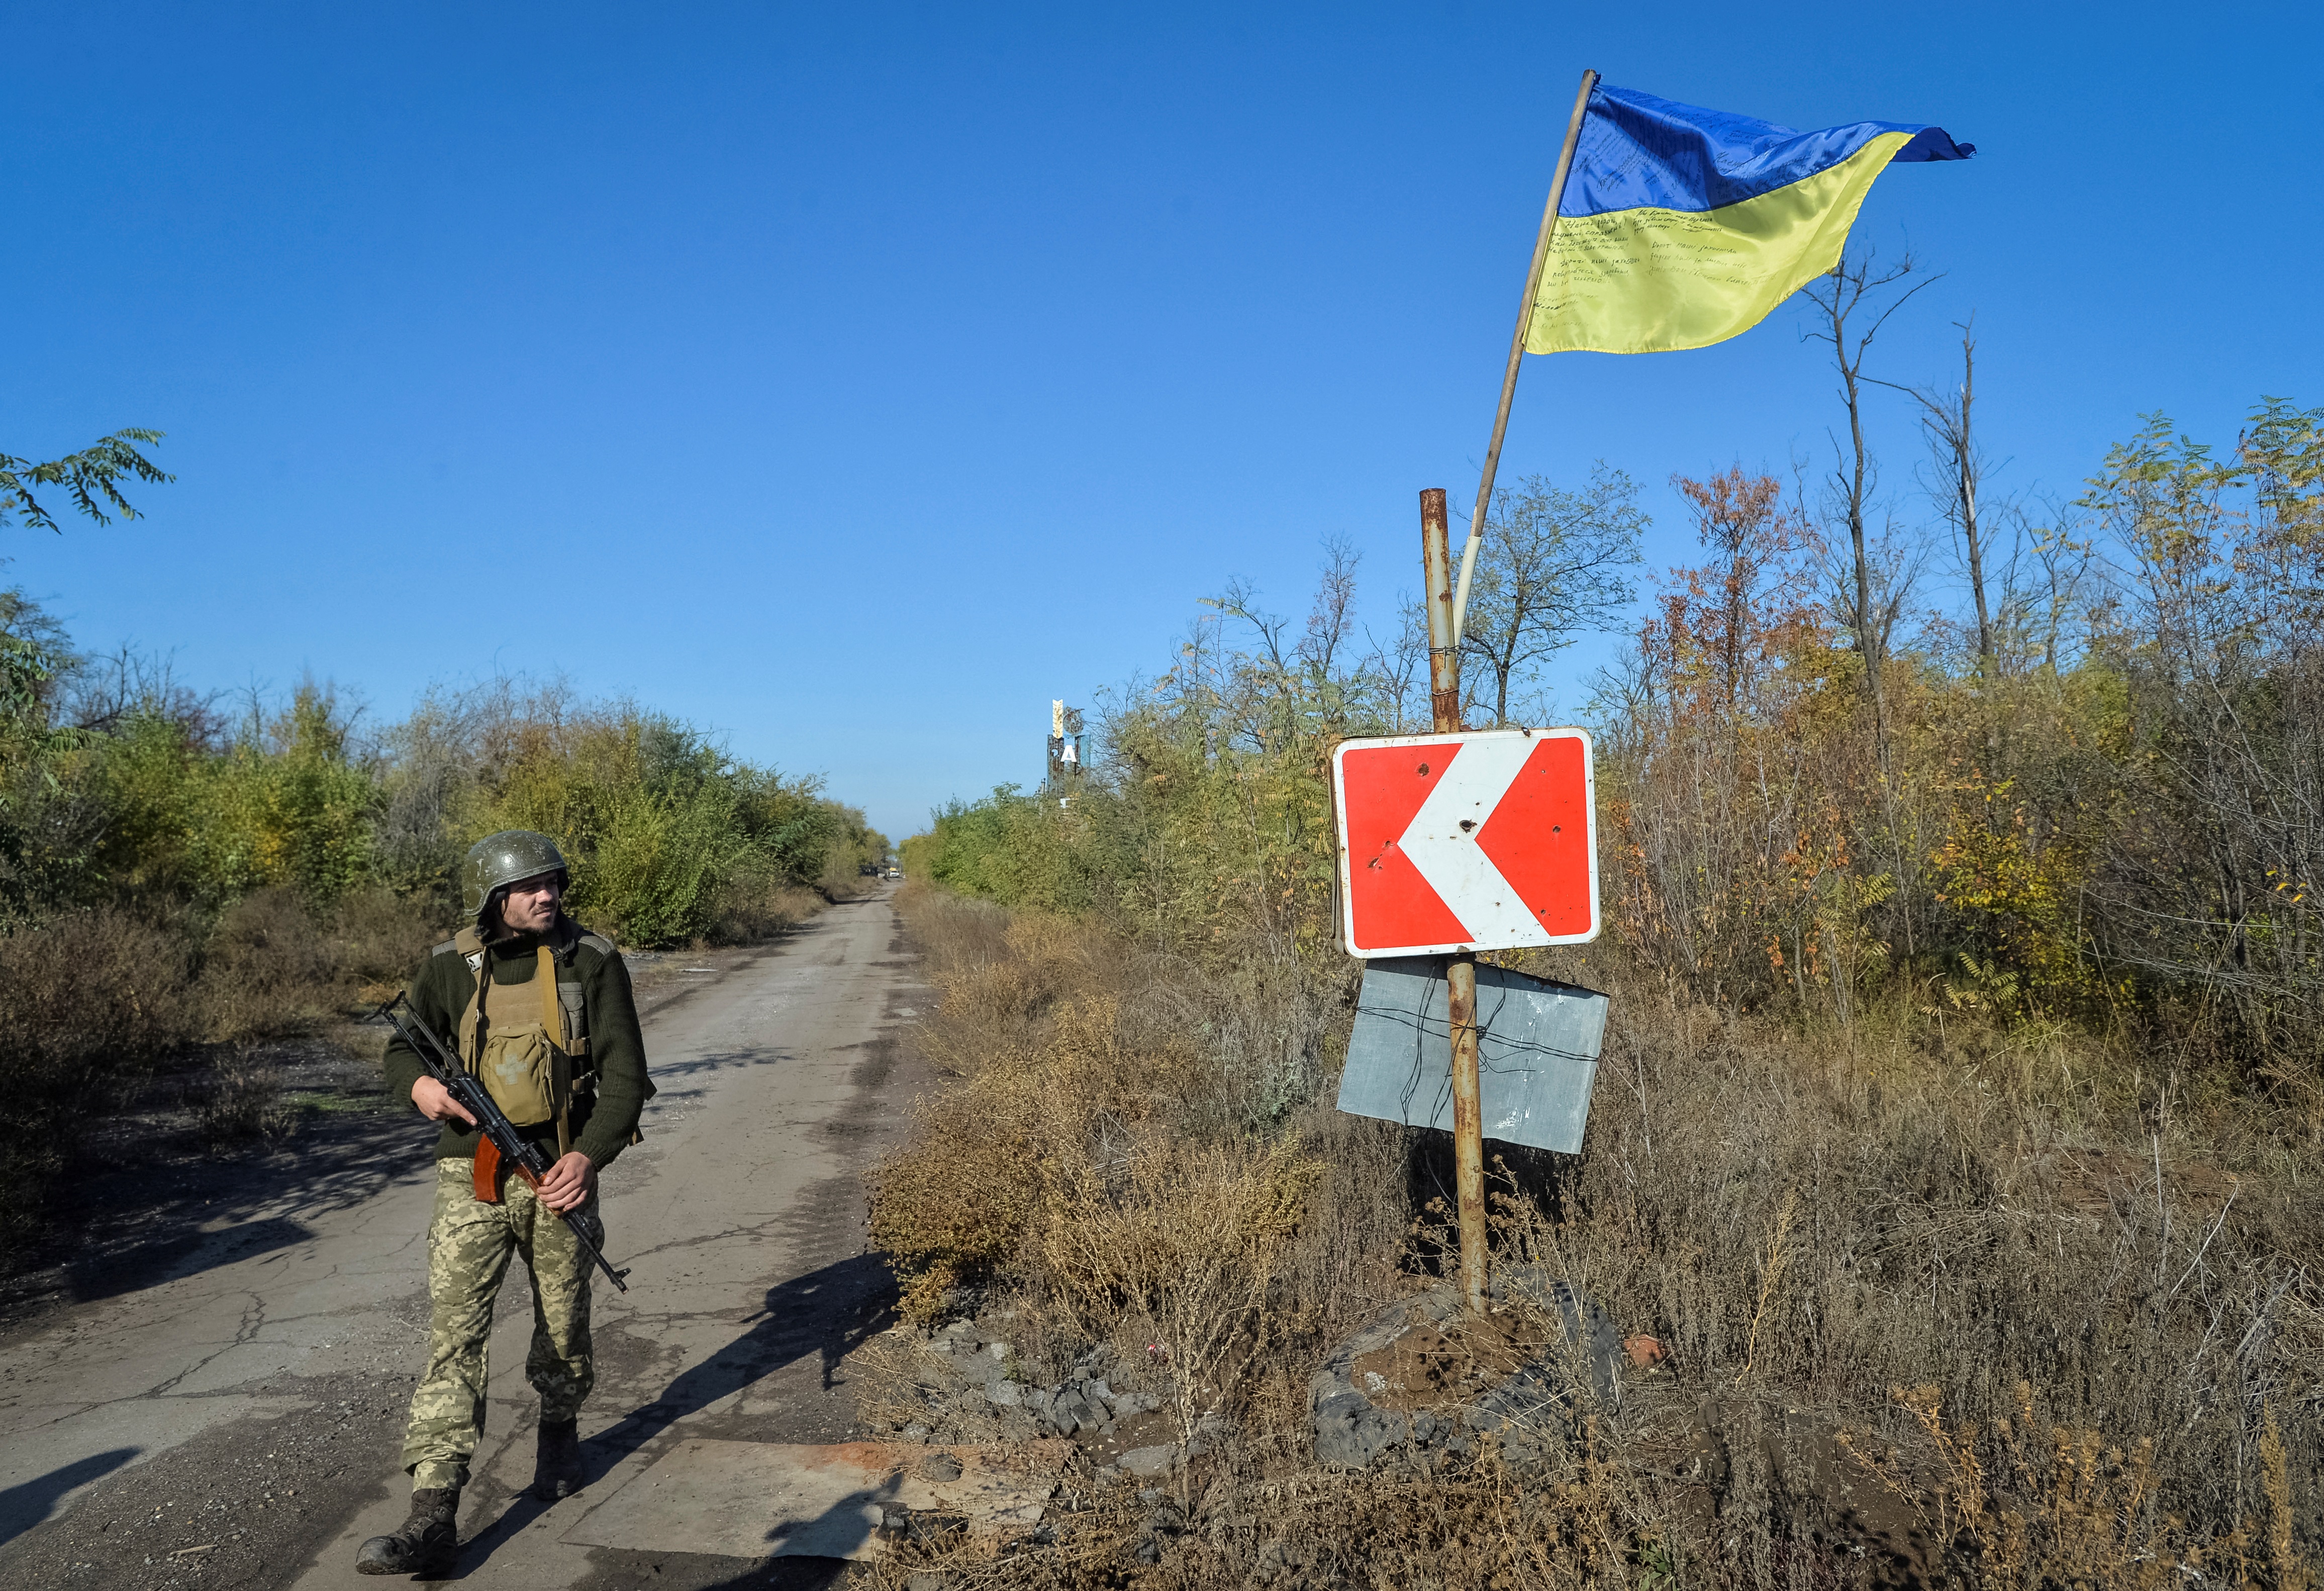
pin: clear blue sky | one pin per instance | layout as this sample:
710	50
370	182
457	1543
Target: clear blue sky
851	380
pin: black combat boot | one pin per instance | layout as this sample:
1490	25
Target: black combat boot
556	1468
426	1543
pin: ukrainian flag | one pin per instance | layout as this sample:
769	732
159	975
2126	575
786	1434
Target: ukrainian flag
1680	227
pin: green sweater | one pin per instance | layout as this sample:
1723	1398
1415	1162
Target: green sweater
602	1117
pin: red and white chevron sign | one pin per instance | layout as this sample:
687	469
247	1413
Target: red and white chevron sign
1466	842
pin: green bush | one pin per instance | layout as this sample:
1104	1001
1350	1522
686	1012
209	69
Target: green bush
283	803
125	786
669	837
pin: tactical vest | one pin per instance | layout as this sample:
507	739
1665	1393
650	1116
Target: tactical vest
528	1043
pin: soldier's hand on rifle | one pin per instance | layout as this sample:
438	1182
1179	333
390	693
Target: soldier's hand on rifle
436	1102
566	1187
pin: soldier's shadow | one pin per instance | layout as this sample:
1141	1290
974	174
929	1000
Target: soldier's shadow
825	1313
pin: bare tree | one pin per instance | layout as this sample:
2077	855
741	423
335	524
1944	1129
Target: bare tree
2066	576
1397	668
1852	305
1949	422
1625	699
1299	678
1552	565
101	694
1948	419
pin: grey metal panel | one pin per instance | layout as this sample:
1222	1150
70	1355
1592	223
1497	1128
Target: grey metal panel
1537	1052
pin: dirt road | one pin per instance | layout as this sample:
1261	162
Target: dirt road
235	1423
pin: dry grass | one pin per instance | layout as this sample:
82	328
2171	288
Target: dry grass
1086	1086
2099	1291
748	916
1180	1244
90	1002
241	1099
273	966
87	1003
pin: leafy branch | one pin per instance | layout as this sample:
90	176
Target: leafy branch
92	474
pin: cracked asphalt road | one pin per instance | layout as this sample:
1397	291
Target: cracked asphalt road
235	1423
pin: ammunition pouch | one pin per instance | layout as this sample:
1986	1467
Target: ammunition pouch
533	1058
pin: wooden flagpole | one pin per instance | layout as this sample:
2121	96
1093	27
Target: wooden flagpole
1516	351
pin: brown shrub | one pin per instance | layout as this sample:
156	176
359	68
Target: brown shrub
268	969
954	1205
1050	1095
1181	1240
749	915
89	985
276	965
88	1002
1805	1218
377	938
1077	1151
952	930
240	1099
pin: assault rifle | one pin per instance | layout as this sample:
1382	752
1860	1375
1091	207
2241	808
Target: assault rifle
501	1140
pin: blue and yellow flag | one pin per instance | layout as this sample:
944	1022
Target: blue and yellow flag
1680	227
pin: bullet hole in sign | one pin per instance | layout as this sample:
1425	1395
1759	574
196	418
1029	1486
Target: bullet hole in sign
1467	823
1424	769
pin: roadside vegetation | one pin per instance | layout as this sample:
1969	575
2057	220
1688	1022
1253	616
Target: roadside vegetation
1956	1135
183	877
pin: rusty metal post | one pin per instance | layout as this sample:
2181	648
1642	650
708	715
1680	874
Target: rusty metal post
1437	574
1461	970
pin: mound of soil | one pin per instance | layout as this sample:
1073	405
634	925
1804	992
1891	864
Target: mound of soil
1435	1363
1422	1373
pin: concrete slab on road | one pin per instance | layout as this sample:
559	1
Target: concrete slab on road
824	1500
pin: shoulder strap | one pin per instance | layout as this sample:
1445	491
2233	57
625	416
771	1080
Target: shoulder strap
470	944
569	936
552	1014
564	1008
553	1024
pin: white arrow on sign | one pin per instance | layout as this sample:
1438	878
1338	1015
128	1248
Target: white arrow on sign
1441	840
1481	840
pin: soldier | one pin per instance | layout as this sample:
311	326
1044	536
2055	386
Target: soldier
541	1010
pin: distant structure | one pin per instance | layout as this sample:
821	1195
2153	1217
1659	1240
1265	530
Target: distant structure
1065	745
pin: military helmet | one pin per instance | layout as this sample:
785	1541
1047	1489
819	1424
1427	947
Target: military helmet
499	860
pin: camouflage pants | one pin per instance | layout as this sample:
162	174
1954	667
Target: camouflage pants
468	1247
